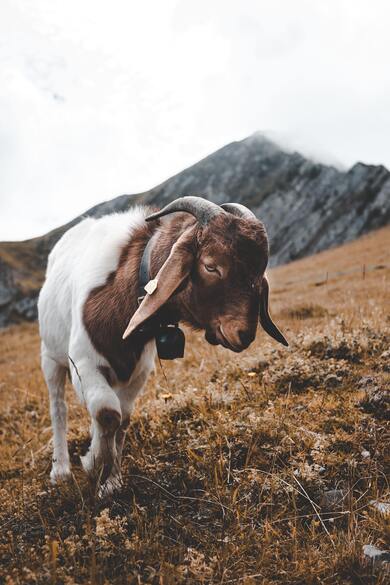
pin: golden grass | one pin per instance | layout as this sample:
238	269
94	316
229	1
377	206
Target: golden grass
228	456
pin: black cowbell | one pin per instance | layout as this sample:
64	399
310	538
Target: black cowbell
170	342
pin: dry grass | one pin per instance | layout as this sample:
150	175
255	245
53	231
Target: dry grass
228	456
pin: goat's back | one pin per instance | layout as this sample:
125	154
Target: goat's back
81	260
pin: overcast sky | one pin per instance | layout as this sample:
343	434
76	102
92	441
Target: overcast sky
100	98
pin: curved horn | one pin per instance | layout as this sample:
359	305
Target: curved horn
200	208
238	210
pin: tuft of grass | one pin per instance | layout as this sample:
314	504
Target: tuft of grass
309	311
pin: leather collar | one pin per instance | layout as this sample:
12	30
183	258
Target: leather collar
144	271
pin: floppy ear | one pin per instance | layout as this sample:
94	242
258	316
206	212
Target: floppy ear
265	319
173	272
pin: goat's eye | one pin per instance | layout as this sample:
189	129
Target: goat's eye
210	268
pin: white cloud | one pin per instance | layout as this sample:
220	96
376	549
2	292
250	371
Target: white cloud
102	98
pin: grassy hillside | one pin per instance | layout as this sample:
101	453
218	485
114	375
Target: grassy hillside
229	457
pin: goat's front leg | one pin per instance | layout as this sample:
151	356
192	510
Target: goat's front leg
102	457
104	407
113	481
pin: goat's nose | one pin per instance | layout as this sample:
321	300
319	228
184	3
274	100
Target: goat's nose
245	337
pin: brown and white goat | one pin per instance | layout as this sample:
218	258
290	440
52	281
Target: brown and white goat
208	262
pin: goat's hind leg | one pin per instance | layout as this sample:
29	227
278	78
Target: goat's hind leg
55	375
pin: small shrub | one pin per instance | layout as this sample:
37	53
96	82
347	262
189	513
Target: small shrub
302	312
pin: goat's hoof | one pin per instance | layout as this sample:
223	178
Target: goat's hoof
111	486
60	473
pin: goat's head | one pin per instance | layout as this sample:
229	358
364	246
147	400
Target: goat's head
219	265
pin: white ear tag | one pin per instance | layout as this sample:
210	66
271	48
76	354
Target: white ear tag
151	286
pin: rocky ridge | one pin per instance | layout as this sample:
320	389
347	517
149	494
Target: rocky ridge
307	207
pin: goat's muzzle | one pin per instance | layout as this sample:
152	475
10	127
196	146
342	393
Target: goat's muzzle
235	340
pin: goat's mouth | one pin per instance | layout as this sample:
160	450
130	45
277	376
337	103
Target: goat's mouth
211	338
218	337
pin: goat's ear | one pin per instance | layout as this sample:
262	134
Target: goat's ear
171	275
265	319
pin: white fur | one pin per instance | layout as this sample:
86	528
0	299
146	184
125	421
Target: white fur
80	261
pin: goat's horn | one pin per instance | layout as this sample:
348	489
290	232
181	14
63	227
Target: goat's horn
200	208
238	210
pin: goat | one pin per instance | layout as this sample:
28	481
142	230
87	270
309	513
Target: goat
208	264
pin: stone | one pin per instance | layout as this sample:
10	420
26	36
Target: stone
7	287
332	380
334	500
382	507
365	381
27	308
378	558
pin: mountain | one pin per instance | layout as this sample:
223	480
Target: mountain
306	207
